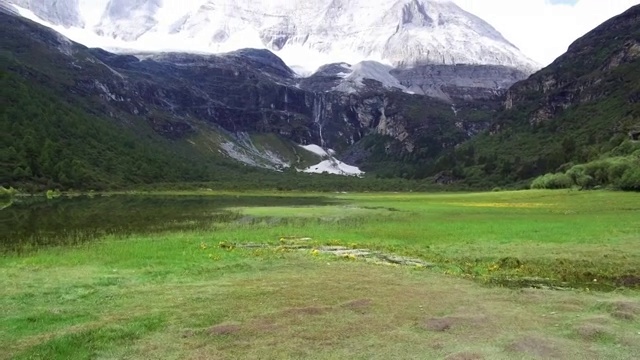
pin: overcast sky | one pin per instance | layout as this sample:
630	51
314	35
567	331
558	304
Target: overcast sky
544	29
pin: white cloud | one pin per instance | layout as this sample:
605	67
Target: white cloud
541	29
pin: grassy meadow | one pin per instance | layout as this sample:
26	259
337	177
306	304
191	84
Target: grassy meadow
515	275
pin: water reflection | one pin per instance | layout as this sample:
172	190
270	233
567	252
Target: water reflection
5	203
35	222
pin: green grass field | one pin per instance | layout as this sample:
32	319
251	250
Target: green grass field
182	295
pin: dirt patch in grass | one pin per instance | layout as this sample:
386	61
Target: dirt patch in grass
464	356
441	324
224	329
593	331
624	315
535	346
621	309
360	305
626	306
629	281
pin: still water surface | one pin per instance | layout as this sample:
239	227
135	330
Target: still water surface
37	222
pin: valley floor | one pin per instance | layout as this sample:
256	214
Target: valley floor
532	274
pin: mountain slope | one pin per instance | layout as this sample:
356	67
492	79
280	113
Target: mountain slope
402	33
62	129
49	142
245	105
582	106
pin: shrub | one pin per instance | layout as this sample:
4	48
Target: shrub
552	181
617	169
598	171
630	180
586	181
53	194
628	147
579	176
622	172
575	173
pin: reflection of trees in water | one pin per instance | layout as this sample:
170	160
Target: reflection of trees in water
5	203
36	221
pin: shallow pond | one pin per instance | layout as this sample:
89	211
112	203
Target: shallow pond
35	222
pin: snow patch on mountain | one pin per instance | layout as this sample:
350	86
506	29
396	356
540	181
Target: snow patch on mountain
129	19
334	166
355	75
318	150
330	164
305	34
241	147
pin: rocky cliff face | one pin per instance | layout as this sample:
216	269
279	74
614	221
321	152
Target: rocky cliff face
254	91
459	82
450	83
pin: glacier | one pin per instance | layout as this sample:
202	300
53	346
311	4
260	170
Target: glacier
305	34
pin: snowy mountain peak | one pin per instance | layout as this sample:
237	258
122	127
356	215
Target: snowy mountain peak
62	12
400	33
129	19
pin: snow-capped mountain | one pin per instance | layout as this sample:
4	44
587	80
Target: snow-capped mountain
307	34
64	12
